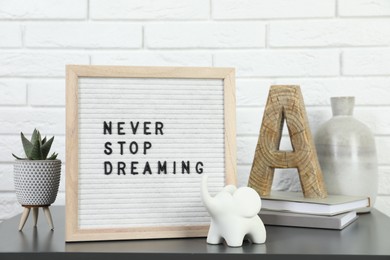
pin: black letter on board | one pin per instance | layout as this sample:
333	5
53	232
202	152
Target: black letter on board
134	143
147	168
121	143
185	166
108	149
199	169
147	145
159	127
162	167
121	168
134	168
107	168
174	168
107	127
146	128
134	128
120	128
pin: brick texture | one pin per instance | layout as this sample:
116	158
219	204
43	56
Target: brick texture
43	9
10	35
266	9
13	92
328	47
364	8
366	62
205	35
83	35
6	176
47	120
151	9
330	33
144	58
46	92
38	64
281	63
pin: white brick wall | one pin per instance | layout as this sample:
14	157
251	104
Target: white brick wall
364	8
205	35
374	62
328	33
280	63
83	35
328	47
146	58
10	35
31	63
13	92
43	9
149	10
272	9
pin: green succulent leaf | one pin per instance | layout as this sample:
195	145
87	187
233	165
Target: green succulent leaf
36	152
53	156
35	136
27	145
37	148
18	157
45	148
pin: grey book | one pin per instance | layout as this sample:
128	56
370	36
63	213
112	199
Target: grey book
278	218
295	202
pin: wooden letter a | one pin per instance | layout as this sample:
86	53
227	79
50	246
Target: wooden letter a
286	103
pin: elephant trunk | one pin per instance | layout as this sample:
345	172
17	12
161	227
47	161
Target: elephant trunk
208	201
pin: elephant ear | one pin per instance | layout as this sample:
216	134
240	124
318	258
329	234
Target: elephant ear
247	201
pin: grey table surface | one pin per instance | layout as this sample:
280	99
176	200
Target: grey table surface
369	235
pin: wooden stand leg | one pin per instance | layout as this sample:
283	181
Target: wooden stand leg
24	217
35	216
48	217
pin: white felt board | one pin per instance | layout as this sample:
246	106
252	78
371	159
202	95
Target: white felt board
138	140
192	115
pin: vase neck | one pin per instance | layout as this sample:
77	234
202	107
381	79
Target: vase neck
342	106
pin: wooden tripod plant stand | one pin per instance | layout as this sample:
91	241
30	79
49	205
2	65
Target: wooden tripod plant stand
35	209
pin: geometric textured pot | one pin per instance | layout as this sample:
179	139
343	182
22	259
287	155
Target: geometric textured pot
36	184
36	181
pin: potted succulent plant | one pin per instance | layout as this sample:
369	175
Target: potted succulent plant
36	177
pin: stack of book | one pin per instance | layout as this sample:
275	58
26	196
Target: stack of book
292	209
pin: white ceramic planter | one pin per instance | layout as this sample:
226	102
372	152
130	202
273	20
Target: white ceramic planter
37	181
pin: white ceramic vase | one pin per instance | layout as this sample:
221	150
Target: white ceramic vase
347	153
36	181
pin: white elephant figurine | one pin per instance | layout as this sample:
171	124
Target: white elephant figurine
233	215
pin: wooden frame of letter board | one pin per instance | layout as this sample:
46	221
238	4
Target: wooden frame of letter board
73	72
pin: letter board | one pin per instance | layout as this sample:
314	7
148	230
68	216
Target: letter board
138	141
